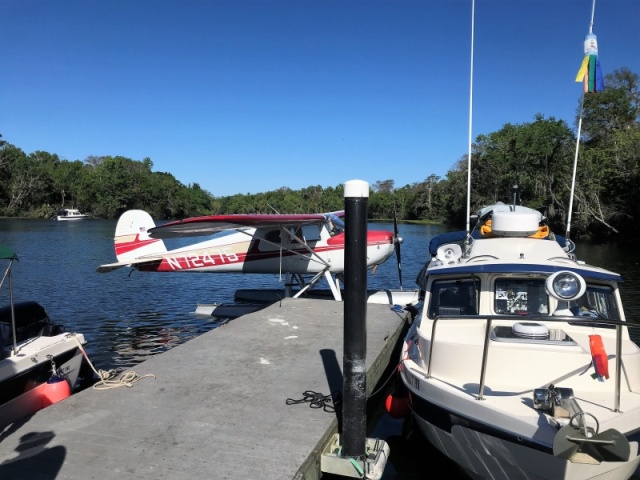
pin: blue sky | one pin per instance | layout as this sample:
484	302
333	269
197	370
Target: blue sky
246	96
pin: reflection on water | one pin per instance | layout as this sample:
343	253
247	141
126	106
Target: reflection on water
146	334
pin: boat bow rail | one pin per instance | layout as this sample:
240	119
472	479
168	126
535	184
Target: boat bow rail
491	321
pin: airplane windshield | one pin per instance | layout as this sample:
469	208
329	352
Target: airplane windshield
335	224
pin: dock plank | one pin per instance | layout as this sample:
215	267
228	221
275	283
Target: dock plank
216	409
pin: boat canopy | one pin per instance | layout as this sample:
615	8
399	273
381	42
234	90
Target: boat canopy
6	253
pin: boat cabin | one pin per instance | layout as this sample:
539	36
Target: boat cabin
504	268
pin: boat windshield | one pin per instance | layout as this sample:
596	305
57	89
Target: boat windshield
529	297
597	302
453	297
520	297
517	296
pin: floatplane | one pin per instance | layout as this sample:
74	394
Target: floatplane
304	248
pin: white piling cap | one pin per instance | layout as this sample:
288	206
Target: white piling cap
356	188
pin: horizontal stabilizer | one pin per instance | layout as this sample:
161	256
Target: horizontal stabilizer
110	267
138	263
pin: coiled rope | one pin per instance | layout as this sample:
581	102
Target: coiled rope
109	378
318	400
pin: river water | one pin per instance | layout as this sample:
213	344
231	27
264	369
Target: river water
127	317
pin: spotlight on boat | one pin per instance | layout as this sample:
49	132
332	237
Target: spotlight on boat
565	286
449	254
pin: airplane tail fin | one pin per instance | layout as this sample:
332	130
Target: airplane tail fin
132	240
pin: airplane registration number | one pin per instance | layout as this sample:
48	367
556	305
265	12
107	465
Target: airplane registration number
210	258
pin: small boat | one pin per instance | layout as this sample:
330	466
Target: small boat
70	214
40	362
520	363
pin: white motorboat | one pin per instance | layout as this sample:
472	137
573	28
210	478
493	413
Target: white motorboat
521	364
70	214
40	362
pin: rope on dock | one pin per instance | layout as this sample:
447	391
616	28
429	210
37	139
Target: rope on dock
318	400
108	377
126	379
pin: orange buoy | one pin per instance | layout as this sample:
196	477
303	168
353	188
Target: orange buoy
396	404
57	388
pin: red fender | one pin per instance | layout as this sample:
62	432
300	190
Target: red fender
599	356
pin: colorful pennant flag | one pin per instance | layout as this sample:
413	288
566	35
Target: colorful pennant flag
590	72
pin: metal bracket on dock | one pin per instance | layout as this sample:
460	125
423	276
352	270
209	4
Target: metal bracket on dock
372	468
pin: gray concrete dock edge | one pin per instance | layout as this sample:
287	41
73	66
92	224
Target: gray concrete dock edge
216	409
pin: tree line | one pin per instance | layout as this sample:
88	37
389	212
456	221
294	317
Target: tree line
537	156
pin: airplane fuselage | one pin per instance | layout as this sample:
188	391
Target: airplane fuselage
250	252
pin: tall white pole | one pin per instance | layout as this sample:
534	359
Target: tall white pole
575	159
575	169
473	13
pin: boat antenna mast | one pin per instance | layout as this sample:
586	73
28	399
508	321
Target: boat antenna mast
590	48
468	239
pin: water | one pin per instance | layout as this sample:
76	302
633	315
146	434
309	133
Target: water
127	317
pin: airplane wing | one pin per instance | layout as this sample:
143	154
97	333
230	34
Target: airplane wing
209	225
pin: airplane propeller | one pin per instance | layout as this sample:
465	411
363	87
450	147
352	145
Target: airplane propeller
397	240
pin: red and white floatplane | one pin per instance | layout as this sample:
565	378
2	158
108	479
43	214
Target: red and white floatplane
303	248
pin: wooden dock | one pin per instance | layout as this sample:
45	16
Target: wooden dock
216	409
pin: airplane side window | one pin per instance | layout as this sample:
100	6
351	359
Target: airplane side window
311	233
298	234
335	225
273	236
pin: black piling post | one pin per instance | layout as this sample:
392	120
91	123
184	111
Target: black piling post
356	197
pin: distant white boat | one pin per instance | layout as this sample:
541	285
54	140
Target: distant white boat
70	214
